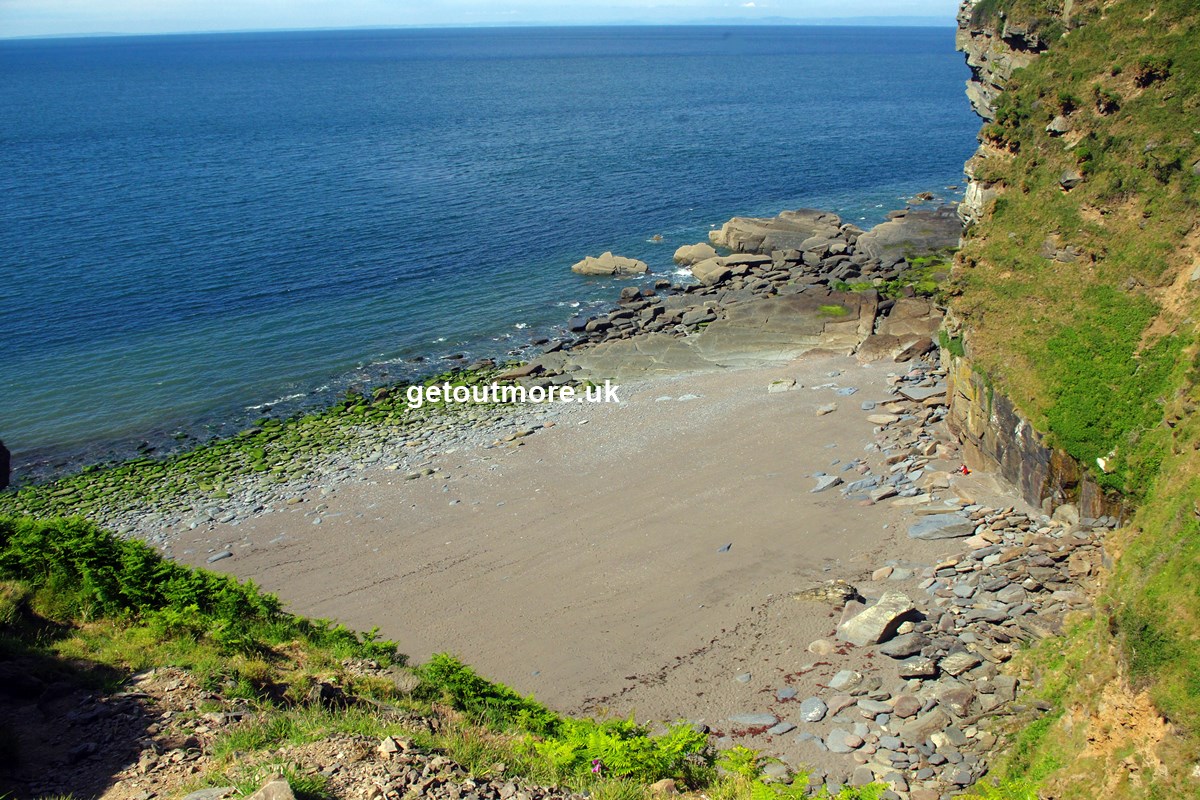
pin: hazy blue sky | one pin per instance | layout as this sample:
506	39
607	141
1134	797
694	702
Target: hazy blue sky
42	17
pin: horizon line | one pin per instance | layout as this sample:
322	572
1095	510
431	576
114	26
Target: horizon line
868	21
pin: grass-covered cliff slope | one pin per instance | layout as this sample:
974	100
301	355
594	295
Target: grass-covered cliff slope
1078	298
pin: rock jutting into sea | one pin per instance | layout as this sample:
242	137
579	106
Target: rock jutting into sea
608	264
799	282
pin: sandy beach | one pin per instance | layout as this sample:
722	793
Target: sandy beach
628	558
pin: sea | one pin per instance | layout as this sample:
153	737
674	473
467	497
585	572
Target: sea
200	230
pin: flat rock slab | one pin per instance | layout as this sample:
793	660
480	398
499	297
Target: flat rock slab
845	680
918	667
958	663
842	741
216	793
756	332
915	233
941	526
782	328
877	623
824	482
754	720
639	357
919	729
910	644
921	393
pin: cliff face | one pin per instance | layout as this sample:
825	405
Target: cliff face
993	431
996	436
1074	358
995	46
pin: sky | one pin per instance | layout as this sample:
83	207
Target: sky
72	17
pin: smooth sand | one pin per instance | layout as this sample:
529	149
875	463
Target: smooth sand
586	566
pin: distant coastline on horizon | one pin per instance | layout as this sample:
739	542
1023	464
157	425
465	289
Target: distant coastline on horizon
933	21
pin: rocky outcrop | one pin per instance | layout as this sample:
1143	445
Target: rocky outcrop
691	254
994	435
608	264
788	231
995	46
911	232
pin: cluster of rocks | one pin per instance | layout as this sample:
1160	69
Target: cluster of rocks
918	723
157	735
390	769
916	719
784	291
909	440
798	251
821	239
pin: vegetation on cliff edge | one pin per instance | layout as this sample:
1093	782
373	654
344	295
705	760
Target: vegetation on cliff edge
1077	298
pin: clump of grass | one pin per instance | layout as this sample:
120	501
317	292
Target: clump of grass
573	749
75	571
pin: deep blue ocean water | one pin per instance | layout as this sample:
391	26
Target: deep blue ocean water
194	226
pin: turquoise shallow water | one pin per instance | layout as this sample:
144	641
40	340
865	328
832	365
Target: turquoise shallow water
194	226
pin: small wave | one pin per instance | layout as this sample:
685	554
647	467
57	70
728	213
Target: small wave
521	326
284	399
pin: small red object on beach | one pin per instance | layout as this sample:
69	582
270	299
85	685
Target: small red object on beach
963	469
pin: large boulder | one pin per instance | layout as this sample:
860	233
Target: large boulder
711	271
785	232
691	254
913	233
608	264
877	623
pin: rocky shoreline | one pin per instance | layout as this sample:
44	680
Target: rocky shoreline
917	717
796	283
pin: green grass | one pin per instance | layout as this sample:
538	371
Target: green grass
1070	342
924	277
69	570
